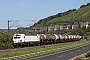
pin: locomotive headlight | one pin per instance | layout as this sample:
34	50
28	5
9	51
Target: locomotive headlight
20	40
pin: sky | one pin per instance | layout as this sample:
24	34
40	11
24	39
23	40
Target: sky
24	13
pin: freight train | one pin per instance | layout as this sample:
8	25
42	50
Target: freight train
42	39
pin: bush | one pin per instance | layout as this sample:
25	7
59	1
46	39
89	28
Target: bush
4	43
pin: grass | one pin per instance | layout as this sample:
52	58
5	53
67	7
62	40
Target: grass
83	58
39	50
83	13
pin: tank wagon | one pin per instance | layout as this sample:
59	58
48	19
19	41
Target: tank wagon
42	39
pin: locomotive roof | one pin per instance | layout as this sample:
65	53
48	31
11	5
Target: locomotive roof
31	35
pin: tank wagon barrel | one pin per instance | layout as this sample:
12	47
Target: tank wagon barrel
42	39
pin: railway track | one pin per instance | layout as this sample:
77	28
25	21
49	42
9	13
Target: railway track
33	47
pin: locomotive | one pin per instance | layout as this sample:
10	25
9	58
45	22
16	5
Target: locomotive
42	39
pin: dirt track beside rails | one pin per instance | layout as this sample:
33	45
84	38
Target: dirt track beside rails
34	47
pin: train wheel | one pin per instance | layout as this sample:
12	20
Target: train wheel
17	46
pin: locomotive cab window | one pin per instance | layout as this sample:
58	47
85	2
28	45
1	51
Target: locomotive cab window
16	37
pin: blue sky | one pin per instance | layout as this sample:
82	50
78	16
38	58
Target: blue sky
27	10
